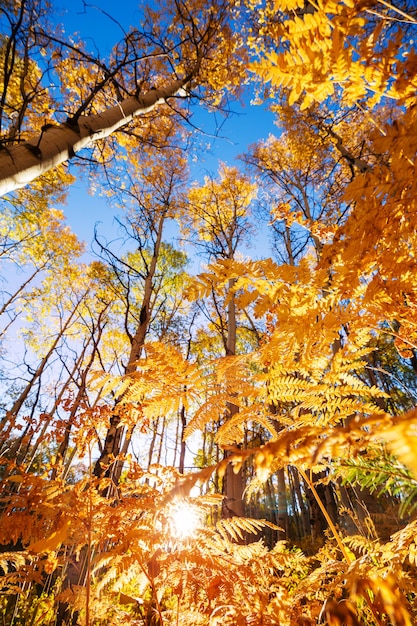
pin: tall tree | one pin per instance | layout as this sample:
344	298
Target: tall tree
219	215
322	320
144	281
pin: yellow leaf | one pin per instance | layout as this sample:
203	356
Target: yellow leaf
15	478
52	542
402	441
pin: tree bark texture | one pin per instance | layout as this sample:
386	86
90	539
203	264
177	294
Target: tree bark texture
22	163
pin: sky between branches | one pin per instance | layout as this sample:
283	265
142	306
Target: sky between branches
100	24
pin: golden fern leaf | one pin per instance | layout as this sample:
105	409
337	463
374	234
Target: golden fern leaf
232	430
235	527
401	438
385	596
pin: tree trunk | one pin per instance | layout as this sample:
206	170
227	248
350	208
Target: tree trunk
21	164
81	393
18	291
161	439
233	485
47	418
112	446
282	517
182	440
153	440
17	405
301	501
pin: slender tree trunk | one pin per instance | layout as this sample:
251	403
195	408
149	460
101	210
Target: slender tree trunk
177	439
161	439
106	464
82	385
47	418
81	394
349	520
233	486
12	413
282	517
182	440
183	416
326	494
302	503
153	441
18	291
273	516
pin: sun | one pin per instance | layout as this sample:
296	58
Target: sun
185	519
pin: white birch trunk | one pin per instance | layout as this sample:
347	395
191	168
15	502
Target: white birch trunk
21	164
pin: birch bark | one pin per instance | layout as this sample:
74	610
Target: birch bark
54	145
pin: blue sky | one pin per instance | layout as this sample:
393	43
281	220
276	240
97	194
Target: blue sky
99	31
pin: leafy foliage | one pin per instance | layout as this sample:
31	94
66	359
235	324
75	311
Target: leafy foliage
295	378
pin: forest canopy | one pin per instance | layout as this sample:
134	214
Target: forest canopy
233	444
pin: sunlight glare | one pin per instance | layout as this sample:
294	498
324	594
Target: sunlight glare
185	520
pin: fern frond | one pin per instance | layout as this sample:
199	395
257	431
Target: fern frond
235	527
381	473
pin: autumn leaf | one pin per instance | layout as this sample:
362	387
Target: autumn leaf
51	543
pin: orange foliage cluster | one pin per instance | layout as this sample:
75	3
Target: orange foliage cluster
299	379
